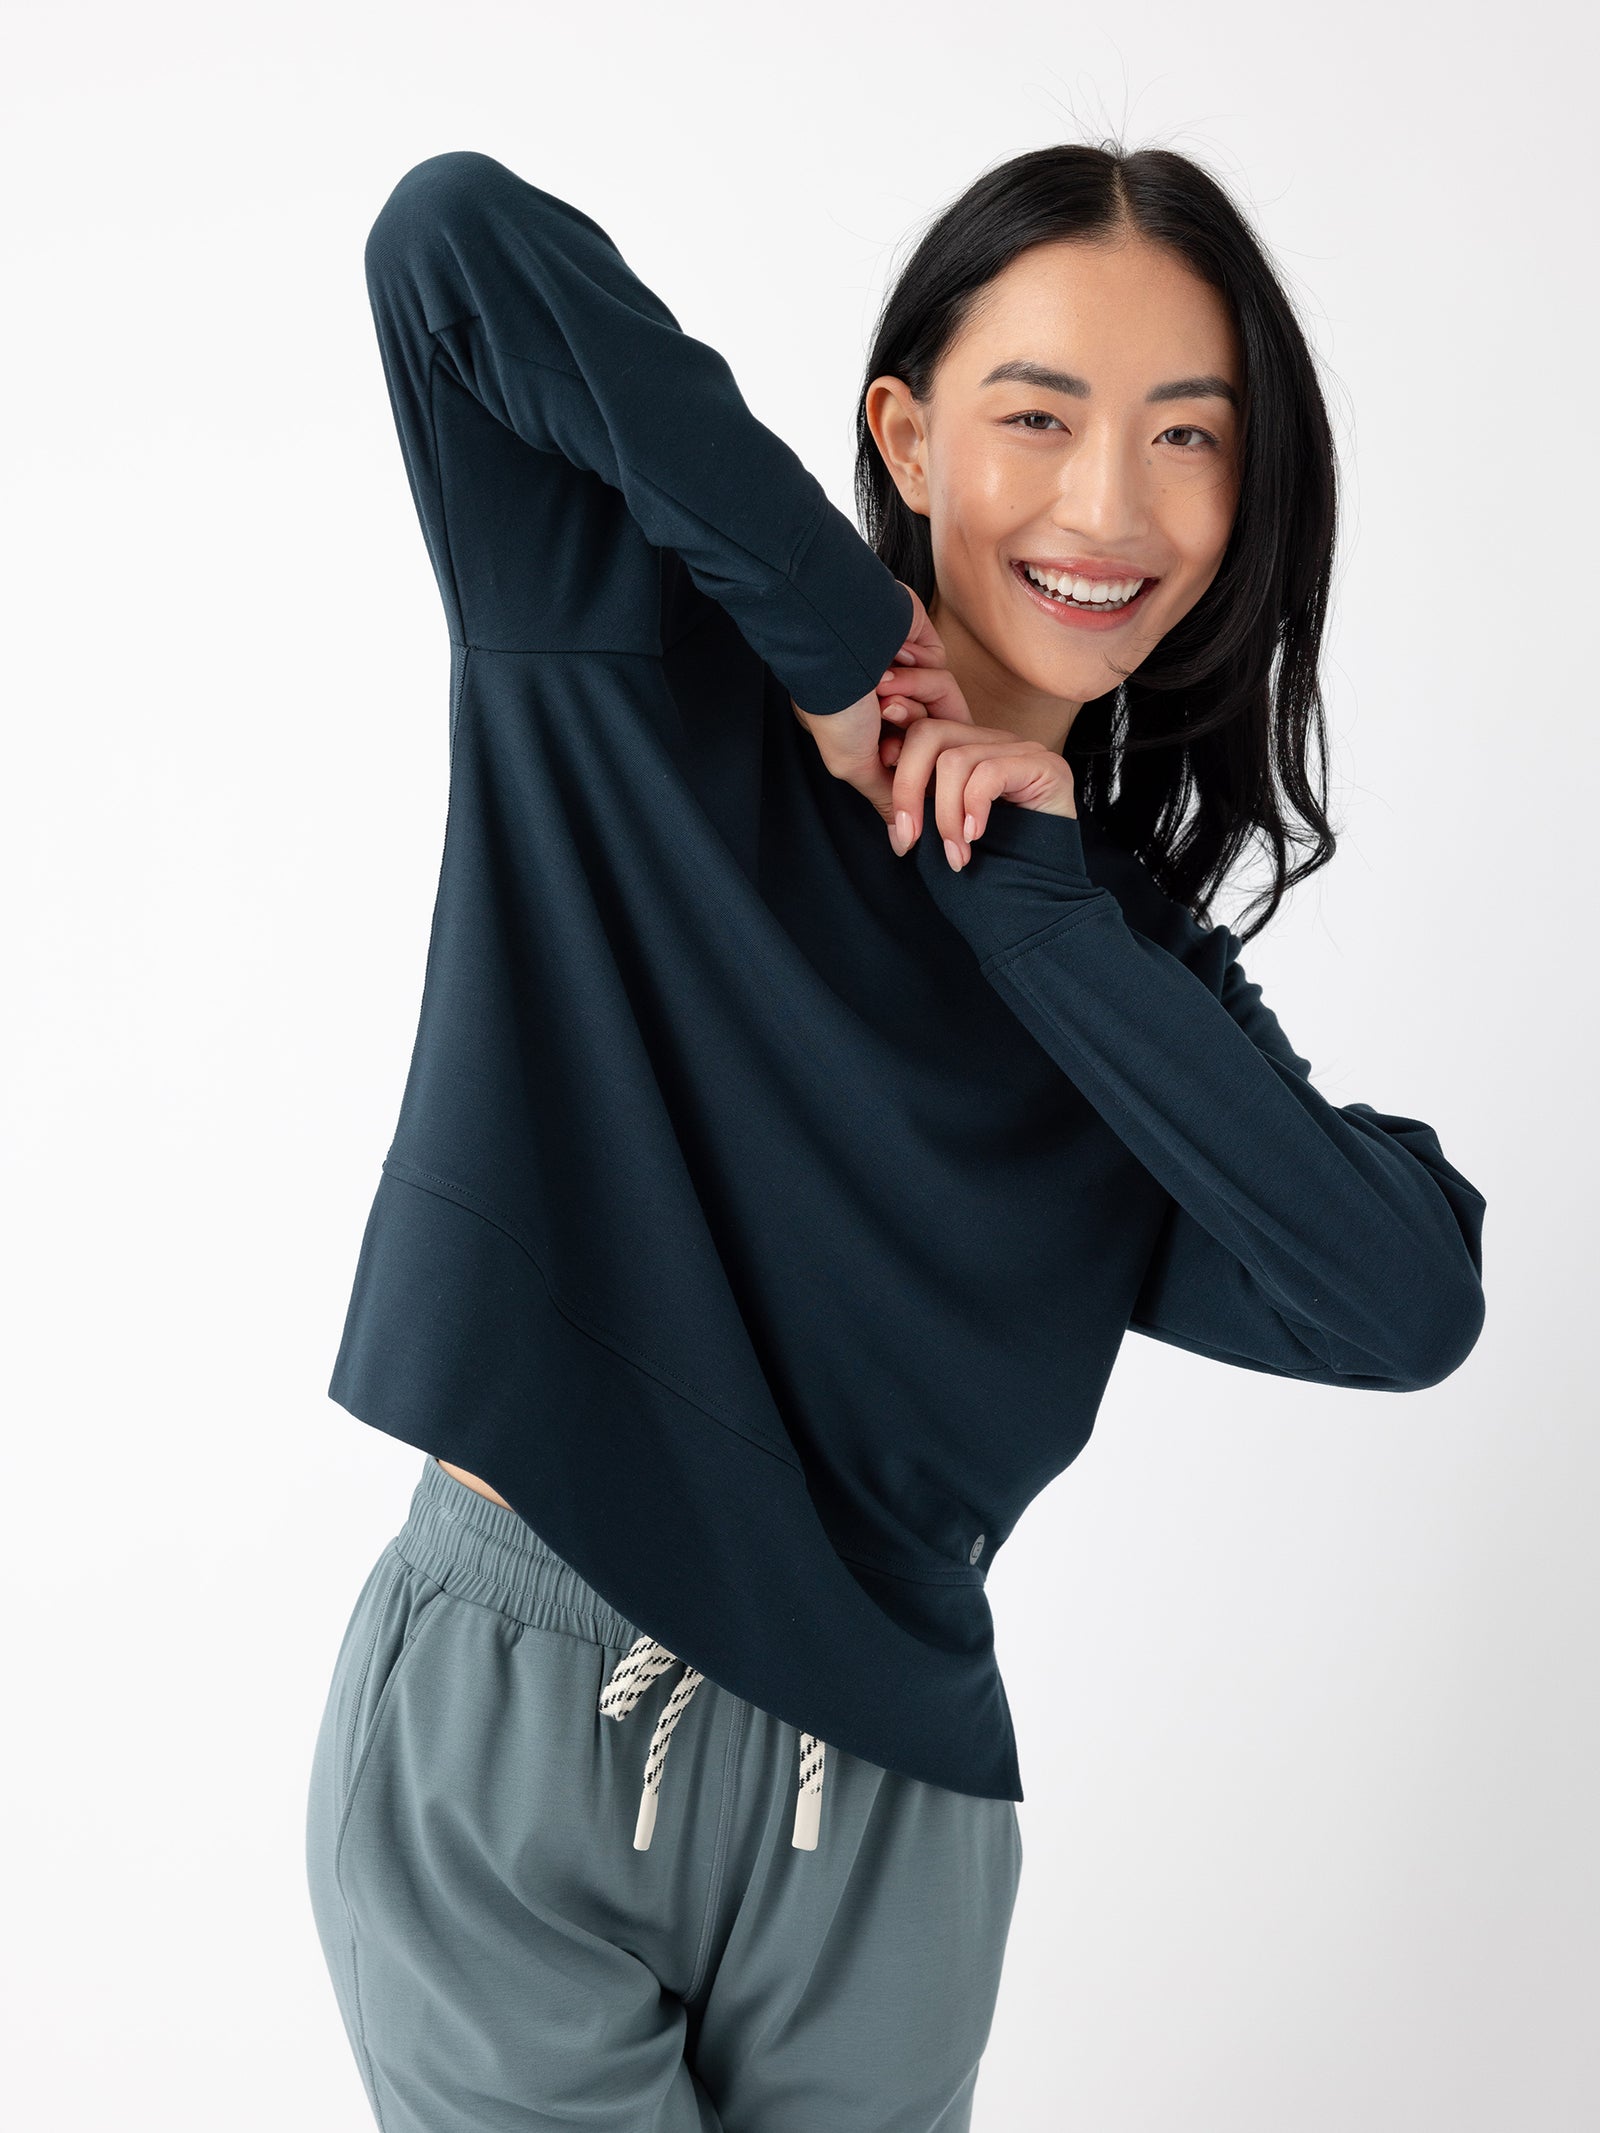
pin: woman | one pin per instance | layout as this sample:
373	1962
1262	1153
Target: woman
775	1180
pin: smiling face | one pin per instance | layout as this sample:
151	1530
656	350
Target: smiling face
1084	421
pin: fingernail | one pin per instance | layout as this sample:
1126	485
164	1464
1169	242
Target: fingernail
902	831
952	851
968	828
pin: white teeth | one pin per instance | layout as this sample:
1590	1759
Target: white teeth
1085	592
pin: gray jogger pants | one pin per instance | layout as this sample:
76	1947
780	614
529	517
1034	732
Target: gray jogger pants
506	1957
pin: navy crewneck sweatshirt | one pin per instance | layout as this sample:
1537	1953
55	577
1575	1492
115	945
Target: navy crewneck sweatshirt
765	1211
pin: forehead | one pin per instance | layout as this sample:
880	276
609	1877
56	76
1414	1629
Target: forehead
1105	310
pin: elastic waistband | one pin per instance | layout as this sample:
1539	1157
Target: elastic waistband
482	1551
485	1552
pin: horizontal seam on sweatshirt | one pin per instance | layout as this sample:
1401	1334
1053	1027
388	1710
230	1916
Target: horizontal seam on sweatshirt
781	573
590	1327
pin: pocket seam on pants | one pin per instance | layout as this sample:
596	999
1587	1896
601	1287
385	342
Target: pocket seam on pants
427	1611
348	1762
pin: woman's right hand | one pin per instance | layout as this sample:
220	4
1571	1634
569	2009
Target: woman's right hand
920	684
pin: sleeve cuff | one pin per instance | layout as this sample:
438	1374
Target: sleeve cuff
1054	842
851	616
1027	871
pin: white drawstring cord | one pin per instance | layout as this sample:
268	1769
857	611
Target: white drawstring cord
628	1680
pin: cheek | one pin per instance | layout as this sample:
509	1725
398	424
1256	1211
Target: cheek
977	507
1197	528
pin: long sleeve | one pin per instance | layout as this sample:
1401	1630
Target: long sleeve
559	425
1330	1243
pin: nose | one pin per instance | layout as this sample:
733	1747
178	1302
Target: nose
1103	503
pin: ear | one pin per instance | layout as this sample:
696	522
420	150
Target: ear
895	420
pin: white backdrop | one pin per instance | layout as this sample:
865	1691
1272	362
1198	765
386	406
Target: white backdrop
1303	1678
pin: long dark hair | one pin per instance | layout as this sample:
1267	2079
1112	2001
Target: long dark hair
1242	749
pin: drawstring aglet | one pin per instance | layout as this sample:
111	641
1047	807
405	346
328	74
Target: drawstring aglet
808	1807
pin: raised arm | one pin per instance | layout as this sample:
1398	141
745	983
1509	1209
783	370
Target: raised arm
1330	1243
557	422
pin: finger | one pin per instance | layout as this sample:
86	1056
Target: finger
968	778
966	790
927	743
922	632
985	782
936	687
913	765
921	652
953	818
917	684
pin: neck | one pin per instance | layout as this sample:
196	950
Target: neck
995	696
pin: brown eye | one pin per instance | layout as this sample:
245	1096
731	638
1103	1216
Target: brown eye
1187	429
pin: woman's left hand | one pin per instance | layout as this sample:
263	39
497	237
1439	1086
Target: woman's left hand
972	766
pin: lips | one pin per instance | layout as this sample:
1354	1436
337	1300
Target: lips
1083	567
1083	618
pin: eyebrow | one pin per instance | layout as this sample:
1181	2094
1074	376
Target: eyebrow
1209	387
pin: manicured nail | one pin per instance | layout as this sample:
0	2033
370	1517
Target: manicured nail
952	851
968	829
902	832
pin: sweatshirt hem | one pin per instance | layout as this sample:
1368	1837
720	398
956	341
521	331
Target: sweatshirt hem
454	1344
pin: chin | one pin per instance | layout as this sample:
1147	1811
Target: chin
1076	681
